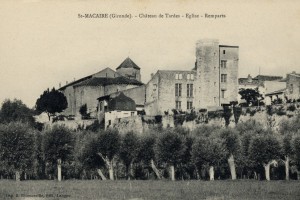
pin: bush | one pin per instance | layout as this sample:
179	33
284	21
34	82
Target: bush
291	108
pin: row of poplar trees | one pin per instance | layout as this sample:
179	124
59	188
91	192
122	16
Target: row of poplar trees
209	152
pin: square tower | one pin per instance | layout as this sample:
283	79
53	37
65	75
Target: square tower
216	73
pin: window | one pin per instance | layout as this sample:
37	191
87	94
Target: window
178	87
189	90
132	113
215	99
190	76
215	83
178	76
178	105
224	52
223	93
189	105
223	63
223	78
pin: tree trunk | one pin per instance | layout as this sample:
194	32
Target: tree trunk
18	178
155	170
267	171
101	174
59	169
111	170
232	167
172	170
287	168
211	173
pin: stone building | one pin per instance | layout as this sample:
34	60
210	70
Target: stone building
270	87
293	86
212	83
86	90
118	107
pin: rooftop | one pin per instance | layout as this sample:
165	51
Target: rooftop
128	63
103	81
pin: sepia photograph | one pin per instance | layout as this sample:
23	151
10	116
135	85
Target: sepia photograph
148	99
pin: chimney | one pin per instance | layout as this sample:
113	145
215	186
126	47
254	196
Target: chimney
59	85
66	82
151	75
293	72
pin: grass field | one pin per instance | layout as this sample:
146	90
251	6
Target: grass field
95	189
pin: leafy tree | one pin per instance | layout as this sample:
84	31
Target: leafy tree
170	147
12	111
146	154
58	146
16	148
287	153
51	102
232	144
264	149
296	147
89	156
237	111
227	114
208	151
129	151
108	146
251	96
83	111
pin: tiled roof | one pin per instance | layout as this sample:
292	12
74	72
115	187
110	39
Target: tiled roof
268	78
108	81
121	102
75	82
128	63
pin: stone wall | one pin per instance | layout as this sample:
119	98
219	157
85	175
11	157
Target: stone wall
293	86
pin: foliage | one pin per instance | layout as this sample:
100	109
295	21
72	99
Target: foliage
296	147
12	111
108	143
291	108
231	140
51	102
264	148
237	111
16	147
170	147
129	148
251	96
83	111
208	151
227	114
58	144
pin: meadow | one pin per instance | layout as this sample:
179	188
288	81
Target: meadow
138	190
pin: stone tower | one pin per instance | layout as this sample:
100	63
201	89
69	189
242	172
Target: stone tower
216	73
129	69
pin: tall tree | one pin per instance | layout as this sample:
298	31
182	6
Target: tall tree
108	146
16	110
58	147
129	151
251	96
296	147
16	148
208	151
51	102
263	150
170	147
232	144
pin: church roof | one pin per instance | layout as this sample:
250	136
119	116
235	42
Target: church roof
121	102
128	63
103	81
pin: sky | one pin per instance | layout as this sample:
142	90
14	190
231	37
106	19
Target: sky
44	43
